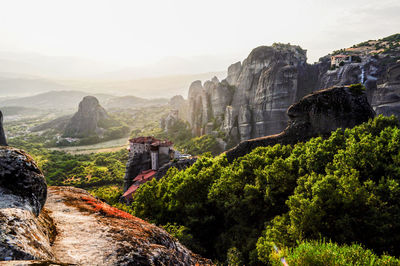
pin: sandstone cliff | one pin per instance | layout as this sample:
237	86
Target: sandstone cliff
3	141
73	227
252	100
317	114
84	123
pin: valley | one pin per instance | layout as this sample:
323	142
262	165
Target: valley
274	161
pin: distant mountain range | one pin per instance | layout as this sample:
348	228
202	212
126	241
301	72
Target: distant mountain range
62	100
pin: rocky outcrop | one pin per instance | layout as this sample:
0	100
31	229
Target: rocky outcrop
181	164
170	120
20	177
3	141
73	227
85	122
317	114
386	99
136	163
91	232
23	191
181	105
252	100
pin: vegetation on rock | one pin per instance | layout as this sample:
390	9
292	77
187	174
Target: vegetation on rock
337	188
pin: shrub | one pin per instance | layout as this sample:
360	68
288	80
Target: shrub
330	254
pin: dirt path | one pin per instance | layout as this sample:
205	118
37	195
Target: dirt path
81	239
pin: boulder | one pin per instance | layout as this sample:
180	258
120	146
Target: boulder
20	176
24	235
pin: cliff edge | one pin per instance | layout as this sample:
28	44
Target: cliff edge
317	114
72	227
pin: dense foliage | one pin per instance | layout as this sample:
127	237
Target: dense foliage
330	254
344	188
79	170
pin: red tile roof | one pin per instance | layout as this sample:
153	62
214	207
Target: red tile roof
131	190
145	175
152	140
143	140
141	178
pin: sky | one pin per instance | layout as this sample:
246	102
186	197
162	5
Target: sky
135	33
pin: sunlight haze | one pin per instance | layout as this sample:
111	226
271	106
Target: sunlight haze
135	33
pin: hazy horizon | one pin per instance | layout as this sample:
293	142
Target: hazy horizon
115	35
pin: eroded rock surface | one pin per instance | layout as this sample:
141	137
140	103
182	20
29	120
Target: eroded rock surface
91	232
73	227
84	123
23	192
252	100
317	114
386	99
20	176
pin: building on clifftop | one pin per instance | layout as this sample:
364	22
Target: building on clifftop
146	156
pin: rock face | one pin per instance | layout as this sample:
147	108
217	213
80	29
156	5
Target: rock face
84	123
94	233
252	100
181	164
23	193
73	227
317	114
20	176
3	141
386	99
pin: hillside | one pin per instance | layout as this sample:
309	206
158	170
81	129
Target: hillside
53	100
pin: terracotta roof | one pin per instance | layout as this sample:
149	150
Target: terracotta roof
152	140
141	178
143	140
132	189
162	143
145	175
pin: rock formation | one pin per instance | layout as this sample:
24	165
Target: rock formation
386	99
3	141
179	103
23	194
317	114
85	122
73	227
252	100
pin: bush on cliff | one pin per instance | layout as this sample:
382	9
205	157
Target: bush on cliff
345	188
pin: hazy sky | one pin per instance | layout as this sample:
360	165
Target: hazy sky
139	32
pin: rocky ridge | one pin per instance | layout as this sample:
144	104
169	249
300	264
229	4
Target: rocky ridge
317	114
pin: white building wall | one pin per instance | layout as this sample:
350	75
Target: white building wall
154	160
